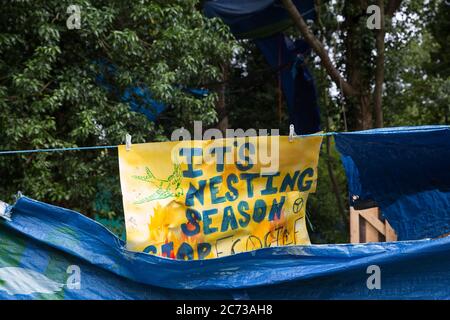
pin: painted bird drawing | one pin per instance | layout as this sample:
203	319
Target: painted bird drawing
165	188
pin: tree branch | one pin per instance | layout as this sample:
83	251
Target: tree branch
379	71
392	6
317	46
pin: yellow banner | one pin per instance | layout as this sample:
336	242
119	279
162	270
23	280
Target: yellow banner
207	199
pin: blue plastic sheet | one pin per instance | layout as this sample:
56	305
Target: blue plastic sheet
263	22
138	96
46	240
406	171
252	19
299	89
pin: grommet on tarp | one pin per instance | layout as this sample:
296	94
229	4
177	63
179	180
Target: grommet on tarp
127	142
292	134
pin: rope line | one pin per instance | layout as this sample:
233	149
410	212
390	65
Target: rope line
114	147
56	149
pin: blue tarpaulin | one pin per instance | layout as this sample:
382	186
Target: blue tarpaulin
138	96
253	19
287	57
44	242
263	21
406	171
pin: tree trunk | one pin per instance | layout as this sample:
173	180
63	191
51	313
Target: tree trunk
359	71
366	112
221	103
357	59
318	48
379	76
334	182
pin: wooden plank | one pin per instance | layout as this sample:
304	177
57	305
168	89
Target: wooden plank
372	234
371	216
354	226
389	232
444	235
371	226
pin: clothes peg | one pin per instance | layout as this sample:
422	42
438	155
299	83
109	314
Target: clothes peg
127	142
292	134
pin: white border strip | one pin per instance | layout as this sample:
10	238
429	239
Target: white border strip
5	211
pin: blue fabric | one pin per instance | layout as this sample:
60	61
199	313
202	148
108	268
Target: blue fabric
256	18
406	171
137	96
140	100
297	82
46	239
263	21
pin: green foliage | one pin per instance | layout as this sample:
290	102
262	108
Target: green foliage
417	82
439	26
49	98
327	224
